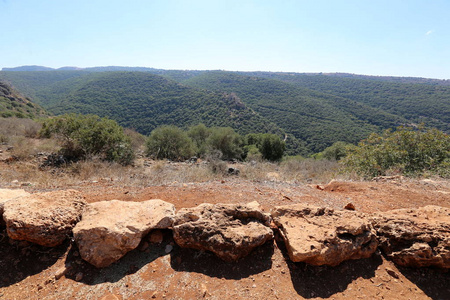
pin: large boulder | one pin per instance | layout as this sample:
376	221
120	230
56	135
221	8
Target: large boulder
6	195
110	229
46	219
323	236
230	231
417	237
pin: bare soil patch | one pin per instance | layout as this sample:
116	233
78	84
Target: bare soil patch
152	272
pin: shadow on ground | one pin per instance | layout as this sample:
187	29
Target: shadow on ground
433	282
191	260
20	259
132	262
325	281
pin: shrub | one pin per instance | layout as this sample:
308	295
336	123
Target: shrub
137	140
272	147
252	153
336	151
10	127
227	141
85	136
408	150
199	135
169	142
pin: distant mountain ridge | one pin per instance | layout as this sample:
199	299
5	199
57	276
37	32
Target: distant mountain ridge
28	68
69	68
399	79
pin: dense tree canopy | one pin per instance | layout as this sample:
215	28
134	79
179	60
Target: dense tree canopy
169	142
405	151
85	136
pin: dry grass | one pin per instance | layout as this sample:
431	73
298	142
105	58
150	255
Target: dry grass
293	170
137	139
10	127
21	134
27	148
165	173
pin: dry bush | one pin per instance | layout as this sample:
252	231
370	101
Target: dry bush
10	127
162	172
293	170
258	171
309	169
27	148
22	134
27	173
99	170
218	167
23	148
137	140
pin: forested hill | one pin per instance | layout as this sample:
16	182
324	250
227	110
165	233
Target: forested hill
32	83
312	109
144	101
317	118
396	79
425	102
13	104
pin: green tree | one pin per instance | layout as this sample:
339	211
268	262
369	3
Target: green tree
335	152
227	141
254	139
411	151
169	142
199	135
272	147
85	136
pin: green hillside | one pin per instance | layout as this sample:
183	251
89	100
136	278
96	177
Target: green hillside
12	104
313	110
144	101
319	119
427	102
30	83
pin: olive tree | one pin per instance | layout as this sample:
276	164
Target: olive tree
169	142
86	136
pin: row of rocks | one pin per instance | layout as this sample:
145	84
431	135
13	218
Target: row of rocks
105	231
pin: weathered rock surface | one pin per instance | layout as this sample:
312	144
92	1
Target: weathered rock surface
417	237
6	195
323	236
230	231
110	229
46	219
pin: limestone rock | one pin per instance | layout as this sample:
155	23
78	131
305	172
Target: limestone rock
323	236
6	195
46	219
110	229
415	237
230	231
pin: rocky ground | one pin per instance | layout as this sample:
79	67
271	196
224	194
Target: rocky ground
163	270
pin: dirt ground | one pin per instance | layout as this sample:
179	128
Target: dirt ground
152	271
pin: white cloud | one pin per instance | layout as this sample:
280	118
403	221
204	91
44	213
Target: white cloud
429	32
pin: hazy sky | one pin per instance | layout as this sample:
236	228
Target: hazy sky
373	37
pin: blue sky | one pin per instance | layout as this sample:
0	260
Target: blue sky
376	37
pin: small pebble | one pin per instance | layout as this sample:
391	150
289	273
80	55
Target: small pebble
79	276
169	248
